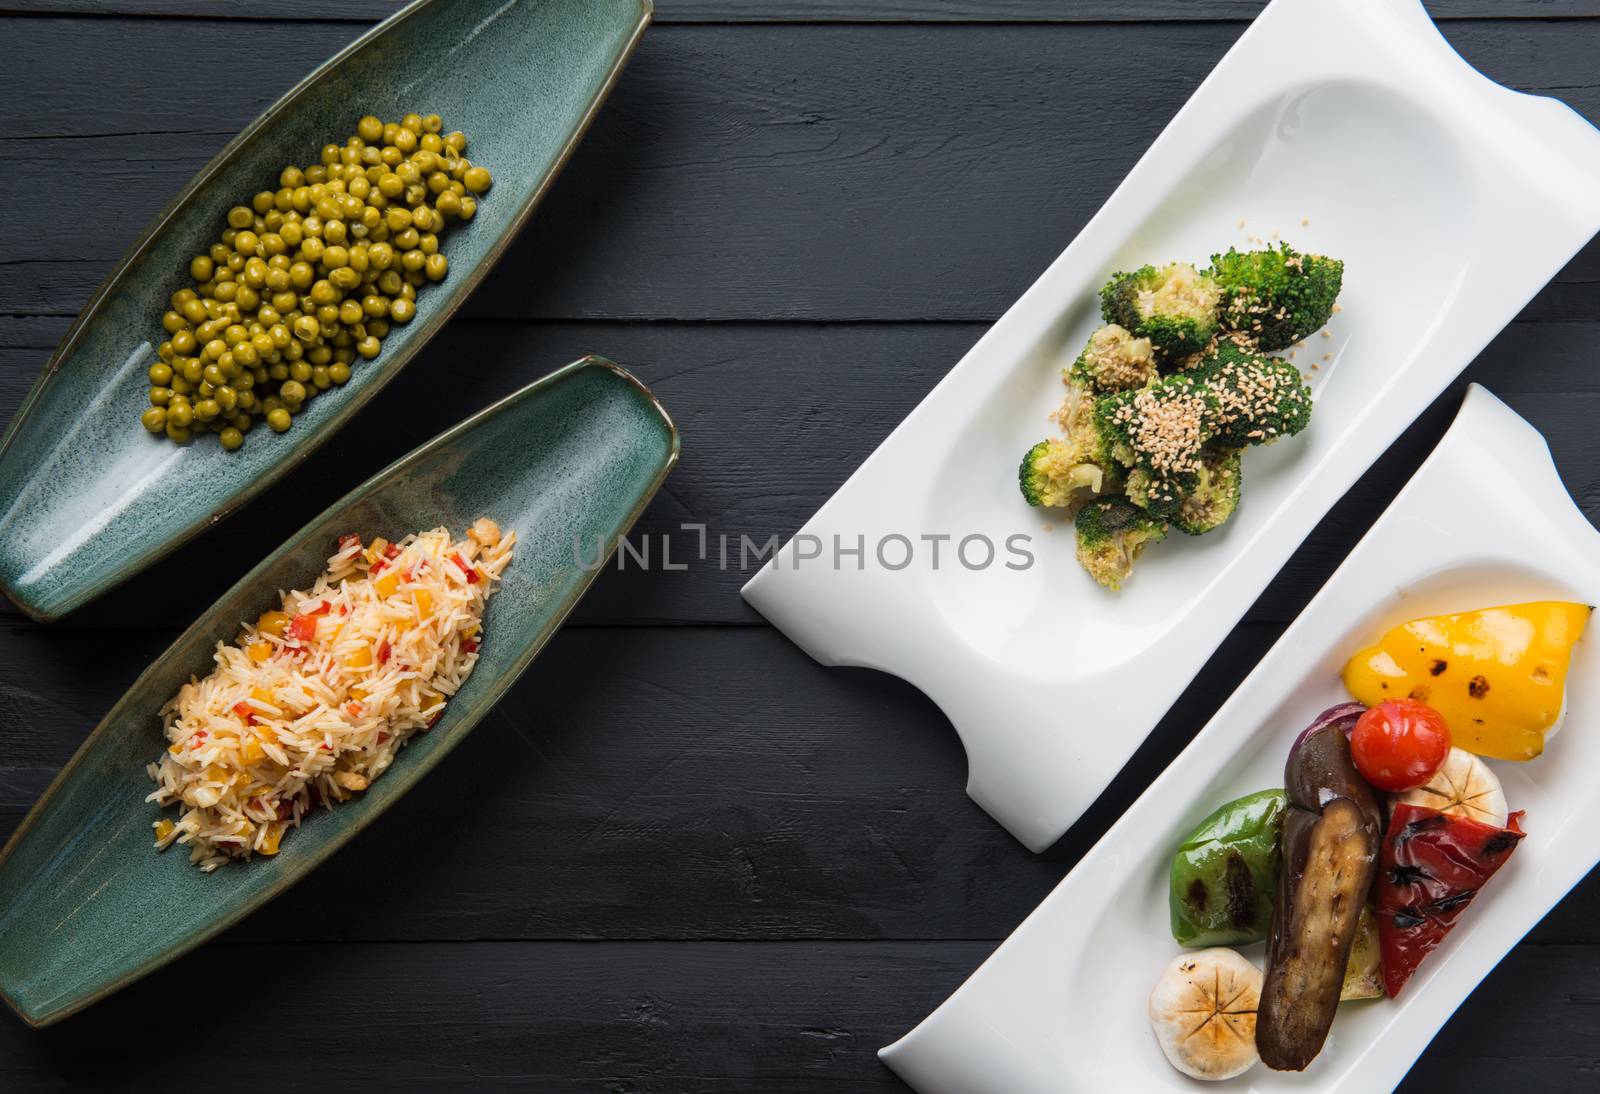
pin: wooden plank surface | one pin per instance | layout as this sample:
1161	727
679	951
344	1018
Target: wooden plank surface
680	856
774	418
749	172
821	11
642	1018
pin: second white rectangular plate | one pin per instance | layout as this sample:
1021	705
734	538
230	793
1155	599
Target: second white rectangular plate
1060	1006
1451	201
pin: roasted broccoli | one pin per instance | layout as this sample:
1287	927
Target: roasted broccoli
1277	297
1176	307
1114	360
1255	399
1158	433
1215	496
1111	533
1056	473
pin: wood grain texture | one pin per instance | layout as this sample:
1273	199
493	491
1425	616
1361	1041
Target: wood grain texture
819	11
681	856
774	418
650	1018
748	172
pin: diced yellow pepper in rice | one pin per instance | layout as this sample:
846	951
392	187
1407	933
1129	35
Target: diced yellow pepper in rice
250	752
260	651
164	829
273	623
270	841
358	693
430	698
360	659
375	551
261	695
424	603
387	584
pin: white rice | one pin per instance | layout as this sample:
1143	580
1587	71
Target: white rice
311	708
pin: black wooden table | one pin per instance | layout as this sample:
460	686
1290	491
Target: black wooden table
680	855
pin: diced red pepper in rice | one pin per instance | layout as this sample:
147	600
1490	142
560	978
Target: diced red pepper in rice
469	645
383	652
303	628
349	540
245	711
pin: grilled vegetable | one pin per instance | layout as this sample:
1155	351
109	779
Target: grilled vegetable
1203	1013
1497	675
1433	865
1330	846
1463	787
1225	875
1363	976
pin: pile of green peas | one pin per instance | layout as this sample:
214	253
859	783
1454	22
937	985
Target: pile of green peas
309	278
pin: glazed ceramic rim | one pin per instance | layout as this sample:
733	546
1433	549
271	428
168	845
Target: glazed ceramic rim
305	445
292	871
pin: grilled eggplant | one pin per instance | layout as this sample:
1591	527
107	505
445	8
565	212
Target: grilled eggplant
1331	839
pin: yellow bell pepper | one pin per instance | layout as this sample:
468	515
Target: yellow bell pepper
1498	675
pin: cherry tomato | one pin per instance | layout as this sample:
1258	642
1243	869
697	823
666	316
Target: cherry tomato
1399	744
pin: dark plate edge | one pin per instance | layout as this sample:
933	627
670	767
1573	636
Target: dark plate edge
305	447
471	718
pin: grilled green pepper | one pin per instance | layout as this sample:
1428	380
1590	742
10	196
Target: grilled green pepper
1225	875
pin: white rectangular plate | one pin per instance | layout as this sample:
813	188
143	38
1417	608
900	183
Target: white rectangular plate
1060	1006
1452	201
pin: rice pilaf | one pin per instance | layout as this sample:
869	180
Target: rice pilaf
312	702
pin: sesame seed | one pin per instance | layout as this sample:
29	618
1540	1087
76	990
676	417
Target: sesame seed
1305	222
1326	333
1241	222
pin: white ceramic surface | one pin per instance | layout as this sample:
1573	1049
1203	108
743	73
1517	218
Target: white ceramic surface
1451	200
1060	1006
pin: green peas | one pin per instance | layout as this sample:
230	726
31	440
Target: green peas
306	278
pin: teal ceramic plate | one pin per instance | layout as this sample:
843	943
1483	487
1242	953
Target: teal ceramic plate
87	499
88	905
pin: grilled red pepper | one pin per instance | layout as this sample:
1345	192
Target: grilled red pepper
1433	864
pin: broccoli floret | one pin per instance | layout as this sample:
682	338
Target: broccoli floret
1111	534
1215	496
1056	473
1277	297
1114	360
1176	307
1158	432
1255	399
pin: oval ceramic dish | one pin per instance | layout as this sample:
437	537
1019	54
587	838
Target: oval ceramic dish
1451	201
1061	1005
87	498
87	904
